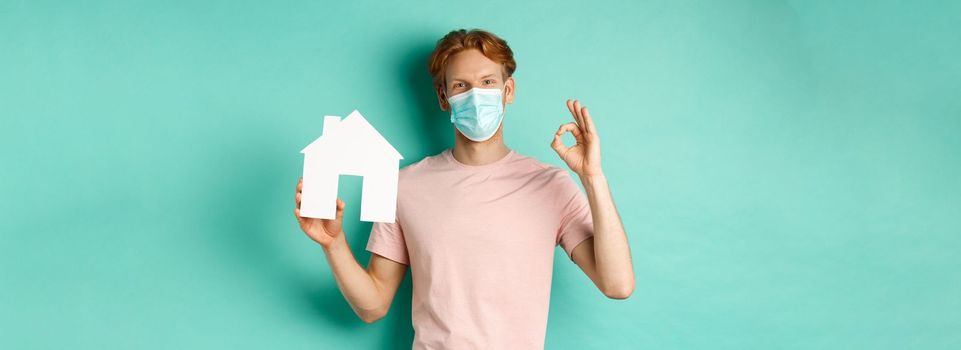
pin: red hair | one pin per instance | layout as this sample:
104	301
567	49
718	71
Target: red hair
490	45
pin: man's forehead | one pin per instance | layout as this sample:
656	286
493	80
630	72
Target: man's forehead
471	64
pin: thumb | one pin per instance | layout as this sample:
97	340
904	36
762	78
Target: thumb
558	145
340	209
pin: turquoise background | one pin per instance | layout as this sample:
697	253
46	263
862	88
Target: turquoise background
787	171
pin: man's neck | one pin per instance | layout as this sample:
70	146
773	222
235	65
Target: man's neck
479	153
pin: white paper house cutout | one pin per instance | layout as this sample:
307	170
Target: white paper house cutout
350	147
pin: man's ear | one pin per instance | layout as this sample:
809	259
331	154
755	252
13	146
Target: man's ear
509	90
441	98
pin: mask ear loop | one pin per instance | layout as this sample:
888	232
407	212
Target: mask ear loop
443	92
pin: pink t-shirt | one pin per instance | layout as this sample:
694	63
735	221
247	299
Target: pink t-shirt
480	243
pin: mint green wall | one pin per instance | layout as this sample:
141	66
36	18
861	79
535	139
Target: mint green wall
788	172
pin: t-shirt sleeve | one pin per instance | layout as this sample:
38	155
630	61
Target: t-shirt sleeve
387	240
576	223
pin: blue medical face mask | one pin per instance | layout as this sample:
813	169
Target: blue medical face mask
477	112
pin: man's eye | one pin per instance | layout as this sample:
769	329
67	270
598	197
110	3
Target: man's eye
488	81
458	84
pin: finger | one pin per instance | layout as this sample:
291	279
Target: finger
340	209
588	122
575	131
297	215
297	199
573	128
300	184
580	117
558	145
570	107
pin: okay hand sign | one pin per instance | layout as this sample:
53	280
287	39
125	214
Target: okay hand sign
584	158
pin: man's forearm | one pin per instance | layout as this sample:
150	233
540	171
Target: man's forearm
611	250
358	287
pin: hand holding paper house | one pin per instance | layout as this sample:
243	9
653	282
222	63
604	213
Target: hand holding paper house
350	147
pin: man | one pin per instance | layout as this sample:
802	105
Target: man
478	223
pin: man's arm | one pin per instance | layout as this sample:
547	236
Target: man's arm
606	257
369	292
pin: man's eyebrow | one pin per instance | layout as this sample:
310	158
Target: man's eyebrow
466	79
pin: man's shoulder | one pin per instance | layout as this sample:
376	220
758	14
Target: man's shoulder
420	166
